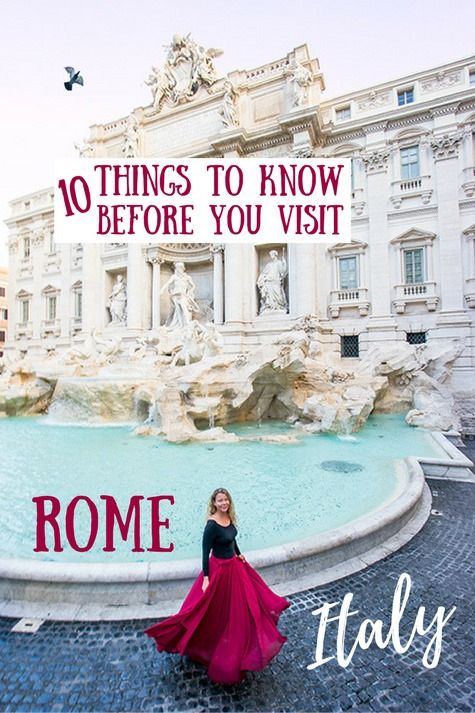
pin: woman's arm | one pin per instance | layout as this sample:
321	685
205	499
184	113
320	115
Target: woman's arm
208	537
238	552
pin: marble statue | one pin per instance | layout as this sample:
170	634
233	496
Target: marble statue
300	79
229	109
158	83
271	284
181	290
118	301
130	146
84	149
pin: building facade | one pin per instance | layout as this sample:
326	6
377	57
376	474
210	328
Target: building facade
408	274
3	308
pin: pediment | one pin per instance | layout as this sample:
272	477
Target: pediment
49	289
353	246
413	235
23	294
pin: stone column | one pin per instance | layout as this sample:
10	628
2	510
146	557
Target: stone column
446	153
234	270
302	279
377	183
424	156
395	159
135	284
13	288
147	292
38	312
156	263
218	283
93	295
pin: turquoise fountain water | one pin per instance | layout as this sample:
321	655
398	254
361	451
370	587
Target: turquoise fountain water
283	492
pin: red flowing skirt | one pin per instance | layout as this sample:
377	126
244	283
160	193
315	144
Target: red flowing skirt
231	628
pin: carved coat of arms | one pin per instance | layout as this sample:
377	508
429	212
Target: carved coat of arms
188	66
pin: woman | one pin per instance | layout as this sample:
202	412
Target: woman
228	620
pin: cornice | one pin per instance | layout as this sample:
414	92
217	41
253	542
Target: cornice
466	105
445	109
409	120
336	138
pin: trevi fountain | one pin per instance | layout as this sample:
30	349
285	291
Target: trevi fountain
285	423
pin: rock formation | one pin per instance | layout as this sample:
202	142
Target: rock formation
182	386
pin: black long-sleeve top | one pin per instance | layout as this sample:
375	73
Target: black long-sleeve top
222	540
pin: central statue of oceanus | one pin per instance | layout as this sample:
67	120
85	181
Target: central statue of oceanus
183	305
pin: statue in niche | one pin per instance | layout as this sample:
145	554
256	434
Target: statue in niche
271	284
229	109
117	301
181	289
130	147
300	79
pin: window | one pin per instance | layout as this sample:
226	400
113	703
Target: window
3	292
24	310
52	244
2	335
3	313
348	272
26	247
471	76
414	266
350	346
405	96
343	113
78	304
410	162
51	307
416	337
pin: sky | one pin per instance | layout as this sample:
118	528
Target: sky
115	42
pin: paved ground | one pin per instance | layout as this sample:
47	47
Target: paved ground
113	667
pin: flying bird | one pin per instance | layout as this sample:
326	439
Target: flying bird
74	78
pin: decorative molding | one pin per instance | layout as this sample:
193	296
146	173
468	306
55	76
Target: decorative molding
38	237
466	106
469	232
444	109
302	152
417	118
263	144
375	127
441	80
374	100
446	146
331	139
376	161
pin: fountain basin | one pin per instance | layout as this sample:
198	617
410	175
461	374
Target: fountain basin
295	556
148	589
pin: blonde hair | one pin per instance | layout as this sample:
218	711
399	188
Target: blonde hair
211	509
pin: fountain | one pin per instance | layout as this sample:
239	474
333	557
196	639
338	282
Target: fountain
170	383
